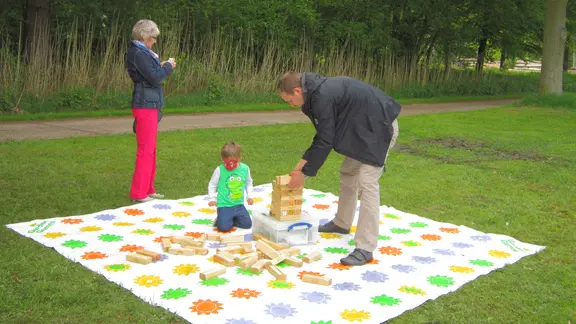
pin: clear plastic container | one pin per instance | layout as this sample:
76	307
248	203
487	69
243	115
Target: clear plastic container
299	232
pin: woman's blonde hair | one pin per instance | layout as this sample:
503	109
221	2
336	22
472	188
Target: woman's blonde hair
144	29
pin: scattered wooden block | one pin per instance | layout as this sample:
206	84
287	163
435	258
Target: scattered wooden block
248	262
267	249
224	260
258	266
166	244
295	262
203	238
291	251
257	237
201	251
247	246
205	275
278	259
275	246
182	251
312	257
232	238
316	280
138	258
231	249
242	257
262	255
213	237
276	272
188	241
155	256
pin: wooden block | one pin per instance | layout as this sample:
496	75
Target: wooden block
224	260
258	236
205	275
242	257
247	246
262	255
258	266
309	258
291	251
203	238
278	259
295	262
138	258
231	249
276	272
232	238
155	256
213	237
316	280
248	262
275	246
267	249
188	241
201	251
166	244
182	251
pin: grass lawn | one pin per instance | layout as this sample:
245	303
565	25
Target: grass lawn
505	170
225	108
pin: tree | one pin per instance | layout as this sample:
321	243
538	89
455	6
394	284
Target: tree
554	41
37	24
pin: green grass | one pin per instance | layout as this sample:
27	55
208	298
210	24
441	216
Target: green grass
567	101
221	108
504	170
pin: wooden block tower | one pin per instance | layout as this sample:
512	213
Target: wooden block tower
286	203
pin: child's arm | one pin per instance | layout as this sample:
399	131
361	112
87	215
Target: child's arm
213	185
249	188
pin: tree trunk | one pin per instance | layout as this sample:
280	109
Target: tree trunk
481	54
566	61
553	51
503	58
37	22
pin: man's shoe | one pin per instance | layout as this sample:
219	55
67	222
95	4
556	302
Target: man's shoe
143	199
330	227
358	257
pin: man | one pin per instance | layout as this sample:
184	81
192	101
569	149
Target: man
358	121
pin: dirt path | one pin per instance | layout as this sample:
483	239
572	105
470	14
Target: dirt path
63	128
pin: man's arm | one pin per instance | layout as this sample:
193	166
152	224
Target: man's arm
325	123
213	185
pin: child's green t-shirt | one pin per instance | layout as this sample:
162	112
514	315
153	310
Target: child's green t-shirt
232	185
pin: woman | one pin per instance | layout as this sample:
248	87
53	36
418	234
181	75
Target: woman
147	73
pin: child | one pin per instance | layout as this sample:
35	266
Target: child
226	189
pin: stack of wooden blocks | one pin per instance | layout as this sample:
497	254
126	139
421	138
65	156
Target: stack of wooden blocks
286	203
267	255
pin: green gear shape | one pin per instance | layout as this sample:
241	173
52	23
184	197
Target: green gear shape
384	300
418	225
175	227
400	230
414	290
441	281
300	256
187	203
337	250
214	282
351	242
411	243
143	231
247	272
281	284
384	238
117	267
203	221
110	238
176	293
481	263
74	244
322	322
391	216
283	265
318	195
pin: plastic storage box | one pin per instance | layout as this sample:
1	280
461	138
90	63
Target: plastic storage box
298	232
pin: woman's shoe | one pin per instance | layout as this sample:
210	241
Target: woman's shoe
143	199
156	196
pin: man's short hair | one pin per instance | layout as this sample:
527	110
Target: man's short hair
288	81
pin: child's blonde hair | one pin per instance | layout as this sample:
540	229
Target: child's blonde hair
231	150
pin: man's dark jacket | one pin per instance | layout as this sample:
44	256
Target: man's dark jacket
352	117
147	75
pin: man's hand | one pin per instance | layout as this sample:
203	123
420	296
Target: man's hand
250	201
212	204
297	179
